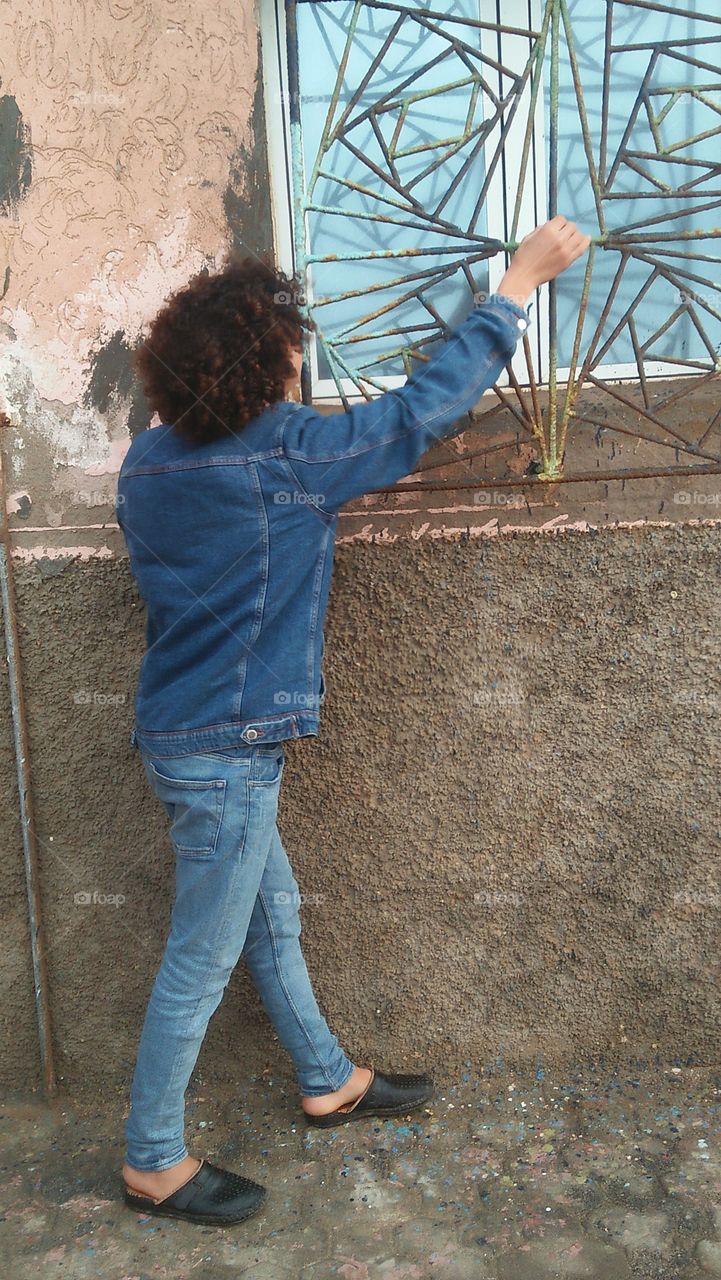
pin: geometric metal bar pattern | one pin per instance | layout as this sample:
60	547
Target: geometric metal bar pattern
403	126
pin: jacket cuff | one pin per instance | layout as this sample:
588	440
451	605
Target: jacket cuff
515	314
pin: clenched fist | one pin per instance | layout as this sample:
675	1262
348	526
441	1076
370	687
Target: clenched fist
542	255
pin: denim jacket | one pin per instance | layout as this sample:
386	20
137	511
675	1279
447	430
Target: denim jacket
231	542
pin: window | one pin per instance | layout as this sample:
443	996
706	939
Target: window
412	145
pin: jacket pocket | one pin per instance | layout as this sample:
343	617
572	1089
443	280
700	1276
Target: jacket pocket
195	807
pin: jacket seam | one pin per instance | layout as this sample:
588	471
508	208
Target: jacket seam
225	724
422	422
315	608
316	506
262	592
189	464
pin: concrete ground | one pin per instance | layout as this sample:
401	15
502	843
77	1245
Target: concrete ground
597	1174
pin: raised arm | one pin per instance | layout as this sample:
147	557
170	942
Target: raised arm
340	456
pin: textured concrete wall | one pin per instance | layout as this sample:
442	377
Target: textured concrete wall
508	832
18	1027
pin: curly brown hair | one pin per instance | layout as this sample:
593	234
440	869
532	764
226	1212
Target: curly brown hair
218	352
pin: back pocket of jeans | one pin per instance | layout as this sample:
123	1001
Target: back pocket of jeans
196	811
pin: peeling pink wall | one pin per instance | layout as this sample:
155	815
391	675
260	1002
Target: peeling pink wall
134	113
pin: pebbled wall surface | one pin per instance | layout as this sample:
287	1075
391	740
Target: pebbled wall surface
507	835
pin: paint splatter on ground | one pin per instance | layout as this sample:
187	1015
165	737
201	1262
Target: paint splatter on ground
588	1175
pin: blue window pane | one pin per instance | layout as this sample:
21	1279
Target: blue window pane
658	156
403	165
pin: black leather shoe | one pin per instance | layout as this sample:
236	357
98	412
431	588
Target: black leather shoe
386	1095
213	1196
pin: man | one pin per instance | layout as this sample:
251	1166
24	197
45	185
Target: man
229	512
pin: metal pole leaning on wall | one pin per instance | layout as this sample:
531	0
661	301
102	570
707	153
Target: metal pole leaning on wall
22	763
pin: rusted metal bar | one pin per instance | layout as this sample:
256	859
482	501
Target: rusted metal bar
713	376
525	411
710	165
433	224
605	92
508	404
665	194
331	134
679	441
598	355
672	9
380	254
536	81
638	355
585	130
537	411
666	217
21	741
693	257
472	454
661	44
620	238
444	17
572	385
632	118
527	482
716	419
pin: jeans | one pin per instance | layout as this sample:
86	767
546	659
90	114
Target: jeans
235	895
